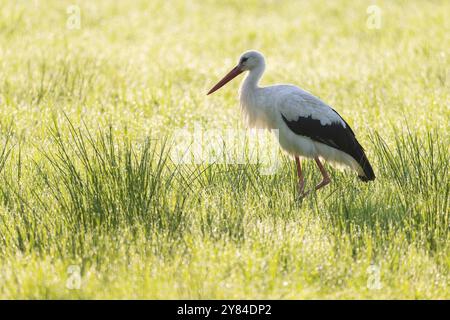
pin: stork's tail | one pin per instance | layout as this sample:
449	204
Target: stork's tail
369	175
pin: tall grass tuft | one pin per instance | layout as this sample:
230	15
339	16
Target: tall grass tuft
98	181
95	186
409	197
418	167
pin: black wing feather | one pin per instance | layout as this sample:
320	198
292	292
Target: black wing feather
334	135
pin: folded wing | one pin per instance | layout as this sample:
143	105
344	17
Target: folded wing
308	116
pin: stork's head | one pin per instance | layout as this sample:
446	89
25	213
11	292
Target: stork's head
248	61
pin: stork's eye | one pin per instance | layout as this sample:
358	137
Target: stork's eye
244	59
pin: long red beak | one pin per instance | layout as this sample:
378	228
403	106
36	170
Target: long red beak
230	76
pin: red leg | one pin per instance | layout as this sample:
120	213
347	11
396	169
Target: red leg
301	180
326	178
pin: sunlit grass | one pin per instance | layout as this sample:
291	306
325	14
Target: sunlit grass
87	116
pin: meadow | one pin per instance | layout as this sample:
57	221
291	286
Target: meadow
92	205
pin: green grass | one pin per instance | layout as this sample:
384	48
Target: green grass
87	179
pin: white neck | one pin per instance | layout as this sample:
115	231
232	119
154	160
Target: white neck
252	79
255	113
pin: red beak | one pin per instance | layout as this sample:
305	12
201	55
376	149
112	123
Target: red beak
230	76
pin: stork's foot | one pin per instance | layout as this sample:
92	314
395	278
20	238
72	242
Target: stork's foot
302	195
326	178
325	181
301	187
301	190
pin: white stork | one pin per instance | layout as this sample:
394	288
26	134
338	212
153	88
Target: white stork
307	126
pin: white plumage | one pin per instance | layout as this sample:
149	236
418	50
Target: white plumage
307	126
